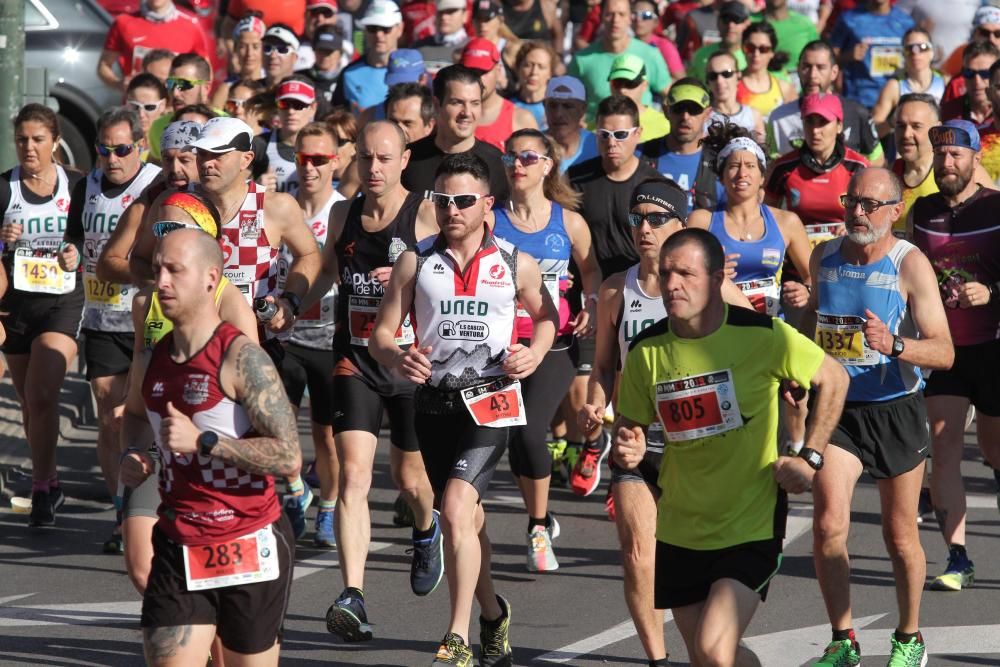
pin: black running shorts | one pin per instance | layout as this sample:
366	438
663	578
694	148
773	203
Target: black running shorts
972	376
248	618
889	438
583	353
30	315
107	352
360	405
647	471
685	576
304	367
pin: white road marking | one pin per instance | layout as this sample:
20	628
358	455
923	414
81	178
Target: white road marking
794	647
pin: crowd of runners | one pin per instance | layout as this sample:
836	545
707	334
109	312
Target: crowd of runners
685	258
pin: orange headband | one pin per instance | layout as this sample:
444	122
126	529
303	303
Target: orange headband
196	209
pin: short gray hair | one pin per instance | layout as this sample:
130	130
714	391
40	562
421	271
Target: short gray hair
118	115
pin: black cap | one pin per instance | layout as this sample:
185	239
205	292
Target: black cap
328	38
735	11
663	193
484	10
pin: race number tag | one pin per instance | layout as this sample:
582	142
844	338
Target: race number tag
551	282
321	313
496	404
38	271
823	232
698	406
361	312
841	337
244	560
763	294
886	60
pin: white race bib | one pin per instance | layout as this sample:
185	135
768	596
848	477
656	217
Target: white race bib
698	406
39	272
102	295
763	294
842	338
243	560
497	404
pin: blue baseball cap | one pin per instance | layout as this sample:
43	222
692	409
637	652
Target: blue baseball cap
956	133
405	66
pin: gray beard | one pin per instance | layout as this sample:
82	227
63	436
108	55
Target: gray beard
869	237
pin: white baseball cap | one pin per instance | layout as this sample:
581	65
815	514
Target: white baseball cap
223	135
382	13
282	34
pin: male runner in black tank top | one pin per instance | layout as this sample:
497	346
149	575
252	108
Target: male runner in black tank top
366	236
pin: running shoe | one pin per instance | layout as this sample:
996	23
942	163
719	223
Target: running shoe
557	449
494	639
325	536
453	651
295	508
911	654
609	505
427	564
586	475
115	543
402	515
925	507
541	557
348	619
840	653
959	574
43	507
552	525
310	475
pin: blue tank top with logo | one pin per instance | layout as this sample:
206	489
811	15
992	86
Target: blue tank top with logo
759	266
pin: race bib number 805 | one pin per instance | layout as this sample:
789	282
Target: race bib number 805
698	406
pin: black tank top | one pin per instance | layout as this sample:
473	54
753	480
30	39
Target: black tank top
359	252
529	24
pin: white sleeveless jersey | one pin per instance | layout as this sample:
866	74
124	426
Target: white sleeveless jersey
639	312
467	318
109	305
288	178
314	327
43	224
250	262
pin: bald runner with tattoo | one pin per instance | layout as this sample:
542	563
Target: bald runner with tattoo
213	403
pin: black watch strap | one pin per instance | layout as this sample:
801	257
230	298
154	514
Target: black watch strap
294	302
812	457
207	442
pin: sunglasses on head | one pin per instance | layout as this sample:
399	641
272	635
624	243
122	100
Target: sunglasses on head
526	158
294	105
655	220
148	107
972	73
164	227
725	74
868	205
983	32
644	15
751	49
617	135
282	49
121	150
461	202
918	47
182	84
315	159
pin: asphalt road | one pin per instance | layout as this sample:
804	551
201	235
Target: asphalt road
63	603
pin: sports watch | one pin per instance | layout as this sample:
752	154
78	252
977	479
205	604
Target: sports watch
294	302
897	346
207	442
812	457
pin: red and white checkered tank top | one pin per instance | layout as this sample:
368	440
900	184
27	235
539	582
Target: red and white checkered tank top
204	500
250	262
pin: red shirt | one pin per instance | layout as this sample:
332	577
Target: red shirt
813	196
132	37
290	12
418	21
498	131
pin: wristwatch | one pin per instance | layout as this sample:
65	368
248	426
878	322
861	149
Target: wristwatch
897	346
812	457
294	302
207	442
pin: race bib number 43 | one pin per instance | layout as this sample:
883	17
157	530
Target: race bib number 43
841	337
496	404
698	406
244	560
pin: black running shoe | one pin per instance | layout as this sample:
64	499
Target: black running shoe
348	619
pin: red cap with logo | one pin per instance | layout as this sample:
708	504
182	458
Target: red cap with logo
481	54
317	4
297	90
826	105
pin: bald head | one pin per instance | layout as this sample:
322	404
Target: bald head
381	133
876	178
196	245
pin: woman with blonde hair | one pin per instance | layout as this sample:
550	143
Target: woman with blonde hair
535	64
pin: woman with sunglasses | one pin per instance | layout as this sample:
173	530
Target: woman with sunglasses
646	26
345	127
540	222
42	317
757	236
723	76
917	76
246	59
274	151
759	87
534	66
147	96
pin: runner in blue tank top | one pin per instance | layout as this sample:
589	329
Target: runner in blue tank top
540	224
756	237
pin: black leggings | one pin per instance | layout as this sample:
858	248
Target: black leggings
543	392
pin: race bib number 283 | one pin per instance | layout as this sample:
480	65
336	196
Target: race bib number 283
243	560
698	406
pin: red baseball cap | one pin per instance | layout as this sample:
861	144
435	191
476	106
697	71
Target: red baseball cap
826	105
317	4
297	90
481	54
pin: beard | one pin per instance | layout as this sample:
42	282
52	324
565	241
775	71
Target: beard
869	236
952	186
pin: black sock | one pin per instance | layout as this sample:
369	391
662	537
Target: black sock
595	444
904	638
841	635
423	534
958	550
353	592
534	521
662	662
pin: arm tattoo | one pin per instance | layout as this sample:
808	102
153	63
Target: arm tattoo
276	451
164	642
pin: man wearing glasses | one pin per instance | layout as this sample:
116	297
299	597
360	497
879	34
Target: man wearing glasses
362	83
190	82
974	105
464	289
794	30
95	206
274	150
280	54
876	309
679	155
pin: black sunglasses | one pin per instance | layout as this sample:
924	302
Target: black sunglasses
868	205
725	74
655	220
972	73
644	15
121	150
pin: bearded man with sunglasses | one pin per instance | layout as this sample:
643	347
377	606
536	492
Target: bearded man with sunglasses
465	288
876	308
274	150
367	235
96	204
190	82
